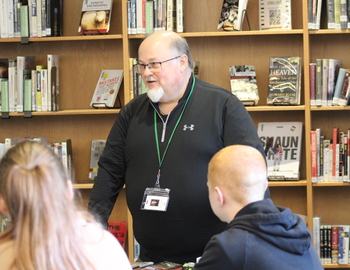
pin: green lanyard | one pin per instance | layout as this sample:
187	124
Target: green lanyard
161	159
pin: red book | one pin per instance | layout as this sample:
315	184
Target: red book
313	157
118	229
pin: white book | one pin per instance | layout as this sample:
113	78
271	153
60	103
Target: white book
97	147
326	163
11	19
169	15
318	15
275	15
20	83
179	16
107	88
282	142
12	84
33	18
44	92
316	224
139	17
39	17
34	85
4	22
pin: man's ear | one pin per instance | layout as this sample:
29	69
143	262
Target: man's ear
184	62
3	207
220	196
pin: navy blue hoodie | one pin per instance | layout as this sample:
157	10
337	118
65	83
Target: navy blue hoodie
261	236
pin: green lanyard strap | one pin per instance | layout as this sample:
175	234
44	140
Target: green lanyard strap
161	159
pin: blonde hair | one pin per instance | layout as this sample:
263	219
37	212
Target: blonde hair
46	224
241	171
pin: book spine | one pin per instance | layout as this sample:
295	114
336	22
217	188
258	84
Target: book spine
318	82
27	95
316	223
343	100
34	83
312	68
338	86
4	95
334	161
335	243
179	16
325	66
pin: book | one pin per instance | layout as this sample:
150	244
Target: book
24	21
232	14
25	65
107	88
282	142
44	91
12	77
179	16
67	157
27	96
53	81
333	71
149	17
314	165
319	82
274	15
344	93
95	17
338	86
56	18
119	230
96	150
4	90
312	83
325	67
244	84
284	81
343	245
318	14
316	223
335	243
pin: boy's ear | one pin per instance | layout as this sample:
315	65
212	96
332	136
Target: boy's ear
3	208
220	196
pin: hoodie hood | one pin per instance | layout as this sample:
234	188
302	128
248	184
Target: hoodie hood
276	225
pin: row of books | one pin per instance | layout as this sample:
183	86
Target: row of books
330	157
30	18
335	14
62	148
145	17
27	87
329	83
331	241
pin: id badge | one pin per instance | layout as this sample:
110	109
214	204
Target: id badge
155	199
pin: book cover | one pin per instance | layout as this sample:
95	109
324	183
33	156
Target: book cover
284	81
282	142
244	84
107	88
25	65
4	90
95	17
344	93
232	14
333	71
343	246
312	83
274	15
96	150
316	224
53	81
118	229
67	157
314	165
56	18
338	86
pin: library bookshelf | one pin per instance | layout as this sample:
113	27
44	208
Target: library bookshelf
83	57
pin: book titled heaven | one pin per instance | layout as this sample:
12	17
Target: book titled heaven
284	80
107	88
244	84
282	142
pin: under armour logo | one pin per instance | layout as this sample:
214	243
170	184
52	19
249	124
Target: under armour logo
191	127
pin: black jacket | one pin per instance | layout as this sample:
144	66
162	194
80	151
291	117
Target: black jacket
262	236
213	119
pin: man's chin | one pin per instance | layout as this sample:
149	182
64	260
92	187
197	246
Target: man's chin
155	95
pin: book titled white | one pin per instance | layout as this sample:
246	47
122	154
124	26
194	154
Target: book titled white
274	15
107	88
282	142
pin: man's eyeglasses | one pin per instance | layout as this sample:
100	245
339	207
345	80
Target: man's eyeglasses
153	66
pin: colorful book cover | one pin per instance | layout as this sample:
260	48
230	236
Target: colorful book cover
284	81
282	142
118	229
95	17
244	84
